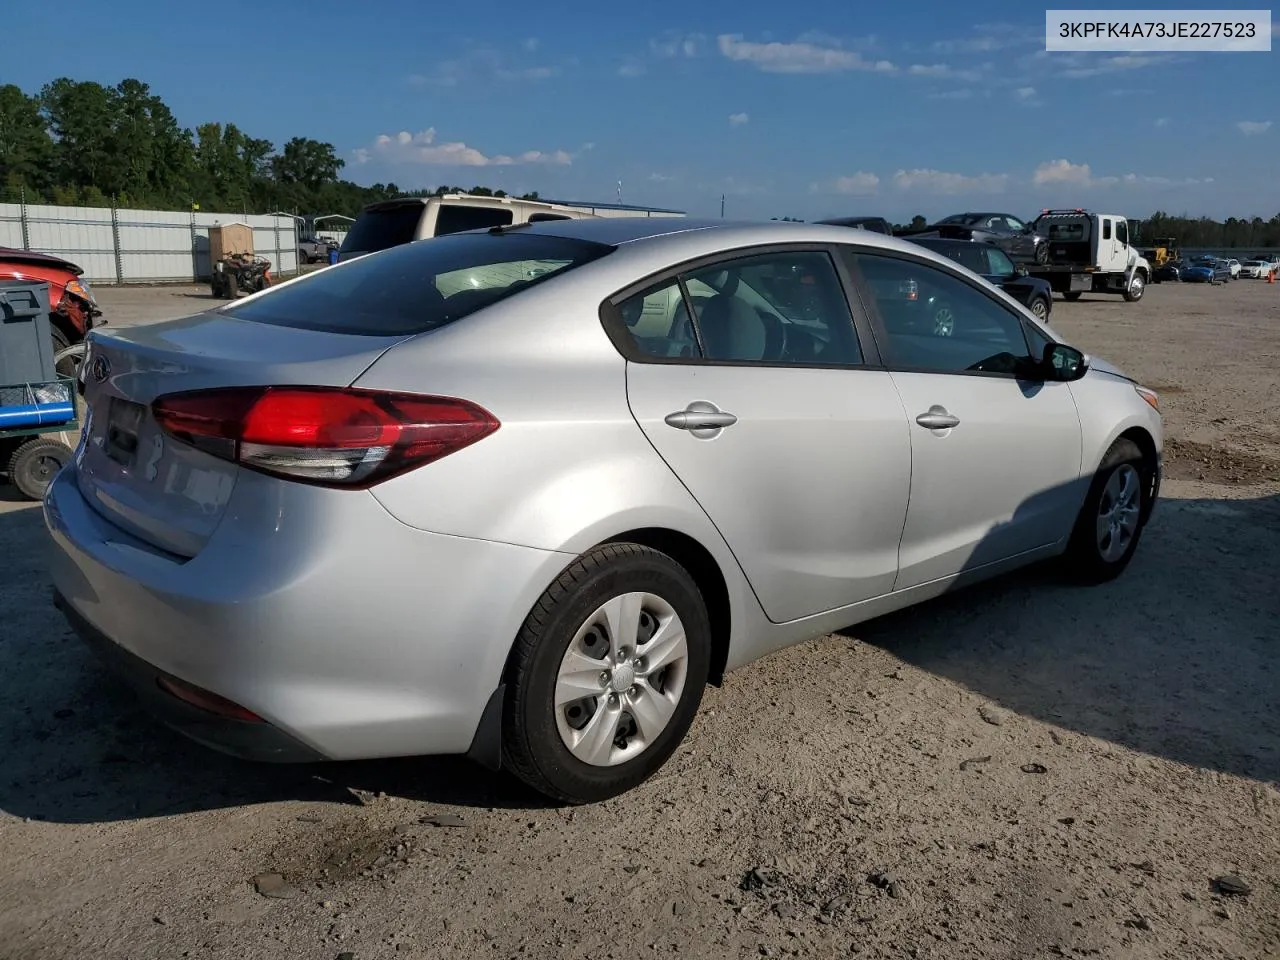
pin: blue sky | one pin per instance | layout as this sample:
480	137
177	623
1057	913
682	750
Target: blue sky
802	109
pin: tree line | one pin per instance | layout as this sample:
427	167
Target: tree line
80	143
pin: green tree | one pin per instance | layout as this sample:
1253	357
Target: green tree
25	147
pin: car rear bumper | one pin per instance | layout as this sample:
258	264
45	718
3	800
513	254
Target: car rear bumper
349	633
239	738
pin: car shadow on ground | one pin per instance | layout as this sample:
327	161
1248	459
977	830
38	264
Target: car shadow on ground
1178	658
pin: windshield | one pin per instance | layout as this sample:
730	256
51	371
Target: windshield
420	286
383	227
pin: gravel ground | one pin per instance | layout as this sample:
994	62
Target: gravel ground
1021	770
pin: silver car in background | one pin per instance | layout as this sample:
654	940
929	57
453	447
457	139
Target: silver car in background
521	493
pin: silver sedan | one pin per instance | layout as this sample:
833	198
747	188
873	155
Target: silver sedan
522	493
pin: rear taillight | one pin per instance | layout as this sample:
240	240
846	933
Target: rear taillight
335	436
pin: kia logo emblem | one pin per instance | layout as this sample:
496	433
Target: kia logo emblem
100	369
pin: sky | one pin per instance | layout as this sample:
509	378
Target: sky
804	109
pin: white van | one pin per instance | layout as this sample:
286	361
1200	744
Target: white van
404	219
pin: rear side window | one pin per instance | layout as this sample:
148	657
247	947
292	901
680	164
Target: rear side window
379	229
451	218
418	287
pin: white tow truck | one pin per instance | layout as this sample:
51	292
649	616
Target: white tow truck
1091	253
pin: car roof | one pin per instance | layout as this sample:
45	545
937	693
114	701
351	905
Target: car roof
635	231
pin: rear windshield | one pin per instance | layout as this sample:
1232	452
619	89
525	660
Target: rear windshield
419	286
383	228
454	218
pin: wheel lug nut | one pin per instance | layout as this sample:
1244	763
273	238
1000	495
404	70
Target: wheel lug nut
604	678
613	699
634	691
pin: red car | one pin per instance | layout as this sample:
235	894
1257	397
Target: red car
72	309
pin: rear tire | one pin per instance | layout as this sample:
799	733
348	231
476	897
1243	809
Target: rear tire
35	463
589	608
1110	523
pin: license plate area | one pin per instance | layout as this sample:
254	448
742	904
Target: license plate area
124	420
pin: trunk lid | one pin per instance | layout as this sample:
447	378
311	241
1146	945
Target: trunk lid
158	489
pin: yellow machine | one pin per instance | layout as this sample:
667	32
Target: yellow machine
1164	250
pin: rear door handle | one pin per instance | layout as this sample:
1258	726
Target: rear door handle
700	416
937	418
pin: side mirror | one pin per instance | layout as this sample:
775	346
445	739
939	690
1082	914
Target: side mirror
1020	270
1063	363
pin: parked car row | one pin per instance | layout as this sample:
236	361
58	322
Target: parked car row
1208	268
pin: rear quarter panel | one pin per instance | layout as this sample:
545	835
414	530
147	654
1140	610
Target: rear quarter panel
569	467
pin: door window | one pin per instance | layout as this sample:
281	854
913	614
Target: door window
999	264
933	320
775	308
1106	229
1122	231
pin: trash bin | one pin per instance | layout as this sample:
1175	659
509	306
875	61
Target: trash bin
333	256
26	341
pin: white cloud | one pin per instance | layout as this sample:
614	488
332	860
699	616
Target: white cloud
1062	171
857	184
990	37
1086	65
631	68
422	148
797	57
484	64
1081	176
1025	93
738	119
942	71
961	94
939	181
1251	128
676	45
660	177
1160	122
530	43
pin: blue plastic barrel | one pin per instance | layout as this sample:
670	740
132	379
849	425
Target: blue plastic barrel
333	255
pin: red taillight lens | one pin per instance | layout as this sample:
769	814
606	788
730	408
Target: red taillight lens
336	436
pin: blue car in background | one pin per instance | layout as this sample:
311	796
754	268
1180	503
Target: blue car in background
1206	270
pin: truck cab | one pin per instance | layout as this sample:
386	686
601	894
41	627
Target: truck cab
1091	252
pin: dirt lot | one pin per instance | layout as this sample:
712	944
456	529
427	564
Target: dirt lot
1022	770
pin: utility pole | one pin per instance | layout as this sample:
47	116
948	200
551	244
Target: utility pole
619	192
722	206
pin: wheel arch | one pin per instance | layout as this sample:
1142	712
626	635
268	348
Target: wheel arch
1146	444
706	573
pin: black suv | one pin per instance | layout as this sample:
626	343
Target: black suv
993	265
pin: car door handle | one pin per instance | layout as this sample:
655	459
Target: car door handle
694	420
937	418
700	415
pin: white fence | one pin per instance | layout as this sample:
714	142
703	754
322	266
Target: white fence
140	246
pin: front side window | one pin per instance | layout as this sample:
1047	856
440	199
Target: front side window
933	320
775	308
999	264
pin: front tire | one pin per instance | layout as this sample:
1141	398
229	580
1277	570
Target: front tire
1040	309
1137	287
1111	521
606	675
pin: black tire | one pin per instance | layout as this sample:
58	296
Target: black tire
1039	308
1072	295
1084	560
67	361
1136	288
1041	255
34	464
532	746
